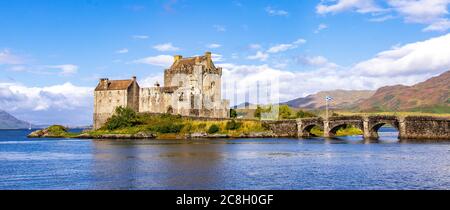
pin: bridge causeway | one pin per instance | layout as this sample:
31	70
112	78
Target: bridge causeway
409	127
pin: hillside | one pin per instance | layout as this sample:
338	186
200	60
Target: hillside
342	99
431	95
7	121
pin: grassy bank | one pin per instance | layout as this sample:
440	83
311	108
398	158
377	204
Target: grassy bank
170	126
347	131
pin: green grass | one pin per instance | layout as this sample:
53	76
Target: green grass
171	126
348	131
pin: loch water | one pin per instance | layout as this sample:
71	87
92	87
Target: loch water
283	163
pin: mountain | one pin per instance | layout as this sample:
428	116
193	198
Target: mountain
342	99
245	105
7	121
430	95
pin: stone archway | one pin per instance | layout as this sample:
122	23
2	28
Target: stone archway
336	123
376	127
307	130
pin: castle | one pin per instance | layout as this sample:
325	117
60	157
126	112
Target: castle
192	87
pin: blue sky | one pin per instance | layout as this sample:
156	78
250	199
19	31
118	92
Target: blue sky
51	48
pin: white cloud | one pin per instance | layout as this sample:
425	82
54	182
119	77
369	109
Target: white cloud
427	57
122	51
166	47
320	27
259	56
65	69
139	37
316	61
6	57
274	12
213	46
283	47
431	12
217	57
64	104
442	25
220	28
361	6
159	60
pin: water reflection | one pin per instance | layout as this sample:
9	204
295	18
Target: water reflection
157	164
316	163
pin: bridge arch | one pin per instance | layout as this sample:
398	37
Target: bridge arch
375	123
307	129
336	123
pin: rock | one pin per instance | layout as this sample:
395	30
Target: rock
84	136
144	135
197	135
36	134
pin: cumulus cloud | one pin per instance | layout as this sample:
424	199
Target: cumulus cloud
6	57
65	104
426	57
166	47
284	47
431	12
361	6
159	60
276	12
259	56
315	61
403	64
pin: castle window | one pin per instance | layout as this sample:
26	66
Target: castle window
212	98
180	84
213	84
118	101
109	100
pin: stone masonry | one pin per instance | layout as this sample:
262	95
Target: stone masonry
192	88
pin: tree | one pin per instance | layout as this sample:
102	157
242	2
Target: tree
304	114
285	112
213	129
233	113
122	118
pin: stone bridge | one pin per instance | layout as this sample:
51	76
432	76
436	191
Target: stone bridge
410	127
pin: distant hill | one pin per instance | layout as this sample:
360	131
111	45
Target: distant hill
432	95
342	99
245	105
7	121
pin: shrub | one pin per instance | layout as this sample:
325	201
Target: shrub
233	113
122	118
259	110
285	112
167	128
304	114
201	125
233	125
213	129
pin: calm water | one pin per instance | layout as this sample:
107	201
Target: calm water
346	163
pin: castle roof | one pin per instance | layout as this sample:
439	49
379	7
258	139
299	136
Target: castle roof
106	84
186	65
